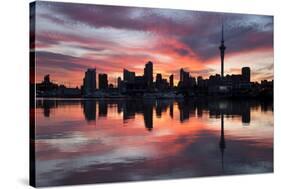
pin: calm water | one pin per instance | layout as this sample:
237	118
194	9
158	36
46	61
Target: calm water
94	141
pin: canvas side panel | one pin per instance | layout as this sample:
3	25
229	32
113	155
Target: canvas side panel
32	168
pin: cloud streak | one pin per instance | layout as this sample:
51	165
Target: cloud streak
129	36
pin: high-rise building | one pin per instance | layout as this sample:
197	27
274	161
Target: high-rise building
181	75
148	73
89	82
222	48
158	81
46	84
103	82
184	77
47	79
119	82
246	74
171	80
128	76
158	77
200	81
186	80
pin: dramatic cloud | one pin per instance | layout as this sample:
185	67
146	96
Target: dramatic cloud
74	37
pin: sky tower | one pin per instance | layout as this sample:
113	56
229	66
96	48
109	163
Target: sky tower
222	49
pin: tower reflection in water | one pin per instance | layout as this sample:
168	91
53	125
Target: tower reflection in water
186	108
222	141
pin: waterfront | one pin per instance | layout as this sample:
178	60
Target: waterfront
111	140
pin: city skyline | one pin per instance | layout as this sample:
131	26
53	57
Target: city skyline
100	80
177	40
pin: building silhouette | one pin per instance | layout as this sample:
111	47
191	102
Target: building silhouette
160	83
119	83
186	81
89	81
171	80
47	79
158	80
49	89
148	74
128	76
184	77
246	74
103	81
46	85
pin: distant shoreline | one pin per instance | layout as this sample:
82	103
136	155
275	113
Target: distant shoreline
132	98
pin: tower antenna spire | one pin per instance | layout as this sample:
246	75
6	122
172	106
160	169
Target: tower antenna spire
222	34
222	48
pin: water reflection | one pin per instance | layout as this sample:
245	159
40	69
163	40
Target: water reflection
92	141
89	109
187	109
222	141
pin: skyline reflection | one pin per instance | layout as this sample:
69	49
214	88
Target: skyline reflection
147	107
97	141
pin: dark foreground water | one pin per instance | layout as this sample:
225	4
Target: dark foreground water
94	141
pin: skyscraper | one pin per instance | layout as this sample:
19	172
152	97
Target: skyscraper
148	73
103	82
171	80
222	49
89	82
158	81
119	82
128	76
47	79
184	76
246	74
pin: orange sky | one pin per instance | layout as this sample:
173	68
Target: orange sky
69	38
